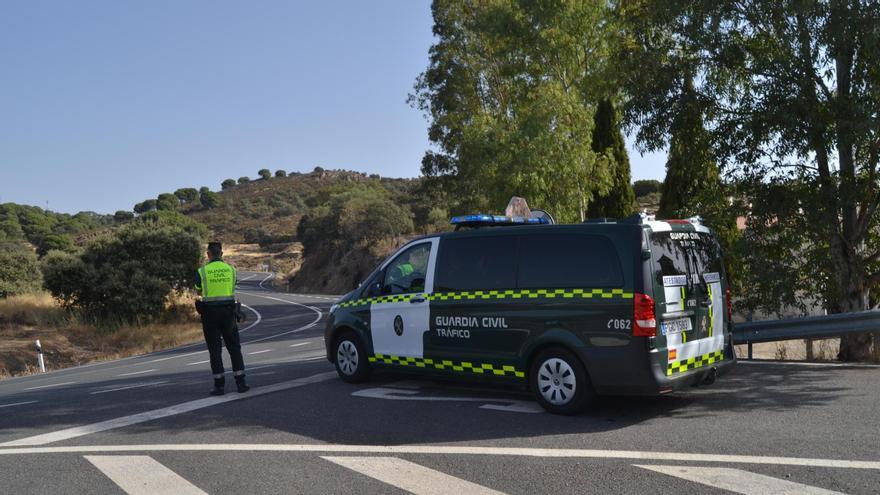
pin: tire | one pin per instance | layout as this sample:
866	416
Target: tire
559	382
350	358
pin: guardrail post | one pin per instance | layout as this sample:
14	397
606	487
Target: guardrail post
750	350
809	344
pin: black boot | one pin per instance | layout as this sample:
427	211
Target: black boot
241	384
219	385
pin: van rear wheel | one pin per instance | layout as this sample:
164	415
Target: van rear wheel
559	382
351	359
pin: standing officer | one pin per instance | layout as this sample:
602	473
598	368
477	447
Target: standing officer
216	283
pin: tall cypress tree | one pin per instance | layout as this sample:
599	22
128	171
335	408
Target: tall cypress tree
619	200
692	183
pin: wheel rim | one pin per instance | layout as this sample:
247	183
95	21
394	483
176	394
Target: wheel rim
556	381
347	357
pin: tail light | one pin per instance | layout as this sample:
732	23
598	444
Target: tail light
729	310
645	321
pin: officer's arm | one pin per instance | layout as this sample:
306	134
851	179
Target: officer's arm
198	281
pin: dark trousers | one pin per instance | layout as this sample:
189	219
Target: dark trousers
219	327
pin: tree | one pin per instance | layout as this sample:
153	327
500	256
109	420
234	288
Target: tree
148	205
645	187
127	277
790	95
167	202
204	189
280	173
19	271
607	139
227	184
265	174
510	93
187	194
692	177
210	199
243	180
123	216
55	242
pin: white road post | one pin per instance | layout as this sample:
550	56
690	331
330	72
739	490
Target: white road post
40	357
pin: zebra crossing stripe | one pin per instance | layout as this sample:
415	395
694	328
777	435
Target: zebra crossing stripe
738	481
410	476
142	475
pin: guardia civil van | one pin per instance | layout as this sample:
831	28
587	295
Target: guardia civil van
627	307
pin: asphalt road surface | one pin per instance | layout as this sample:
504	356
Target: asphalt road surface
146	425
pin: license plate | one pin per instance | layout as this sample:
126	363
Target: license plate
676	326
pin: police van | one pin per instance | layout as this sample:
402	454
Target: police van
628	307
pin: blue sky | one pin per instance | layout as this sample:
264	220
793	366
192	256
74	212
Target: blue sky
105	103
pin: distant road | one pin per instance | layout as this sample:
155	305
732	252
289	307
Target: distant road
143	424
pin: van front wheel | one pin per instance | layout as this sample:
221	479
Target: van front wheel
351	360
559	382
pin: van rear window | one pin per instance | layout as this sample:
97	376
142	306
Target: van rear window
678	255
560	261
476	263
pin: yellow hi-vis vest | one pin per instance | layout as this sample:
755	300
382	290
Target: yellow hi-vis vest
217	282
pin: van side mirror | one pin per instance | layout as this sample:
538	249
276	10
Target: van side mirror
646	255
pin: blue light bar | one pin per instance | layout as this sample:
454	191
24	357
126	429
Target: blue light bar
499	220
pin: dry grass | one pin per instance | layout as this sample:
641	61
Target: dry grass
67	342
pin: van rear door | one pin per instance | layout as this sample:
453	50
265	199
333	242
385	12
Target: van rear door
688	291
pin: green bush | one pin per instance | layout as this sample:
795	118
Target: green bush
19	271
265	174
126	278
123	216
280	173
227	184
645	187
187	194
210	199
55	242
244	180
167	202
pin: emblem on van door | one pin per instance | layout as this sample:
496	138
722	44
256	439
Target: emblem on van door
398	325
704	323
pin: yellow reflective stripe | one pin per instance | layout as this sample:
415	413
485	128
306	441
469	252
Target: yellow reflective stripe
694	362
481	368
497	294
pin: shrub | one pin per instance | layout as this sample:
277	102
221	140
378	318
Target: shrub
227	184
187	194
123	216
167	202
55	242
128	277
265	174
243	180
19	271
645	187
210	199
280	173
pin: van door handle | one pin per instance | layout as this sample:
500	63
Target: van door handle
706	302
417	299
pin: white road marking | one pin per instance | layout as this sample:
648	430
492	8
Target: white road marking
18	403
437	450
199	362
174	357
259	352
296	330
738	481
137	385
265	279
142	475
510	405
259	367
410	476
141	372
299	344
185	407
50	385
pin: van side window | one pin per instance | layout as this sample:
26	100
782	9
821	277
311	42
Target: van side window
560	261
476	263
408	271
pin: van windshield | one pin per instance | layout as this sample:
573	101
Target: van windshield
684	258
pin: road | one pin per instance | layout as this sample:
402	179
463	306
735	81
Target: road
147	425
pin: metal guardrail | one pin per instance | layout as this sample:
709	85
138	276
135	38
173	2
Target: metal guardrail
810	327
